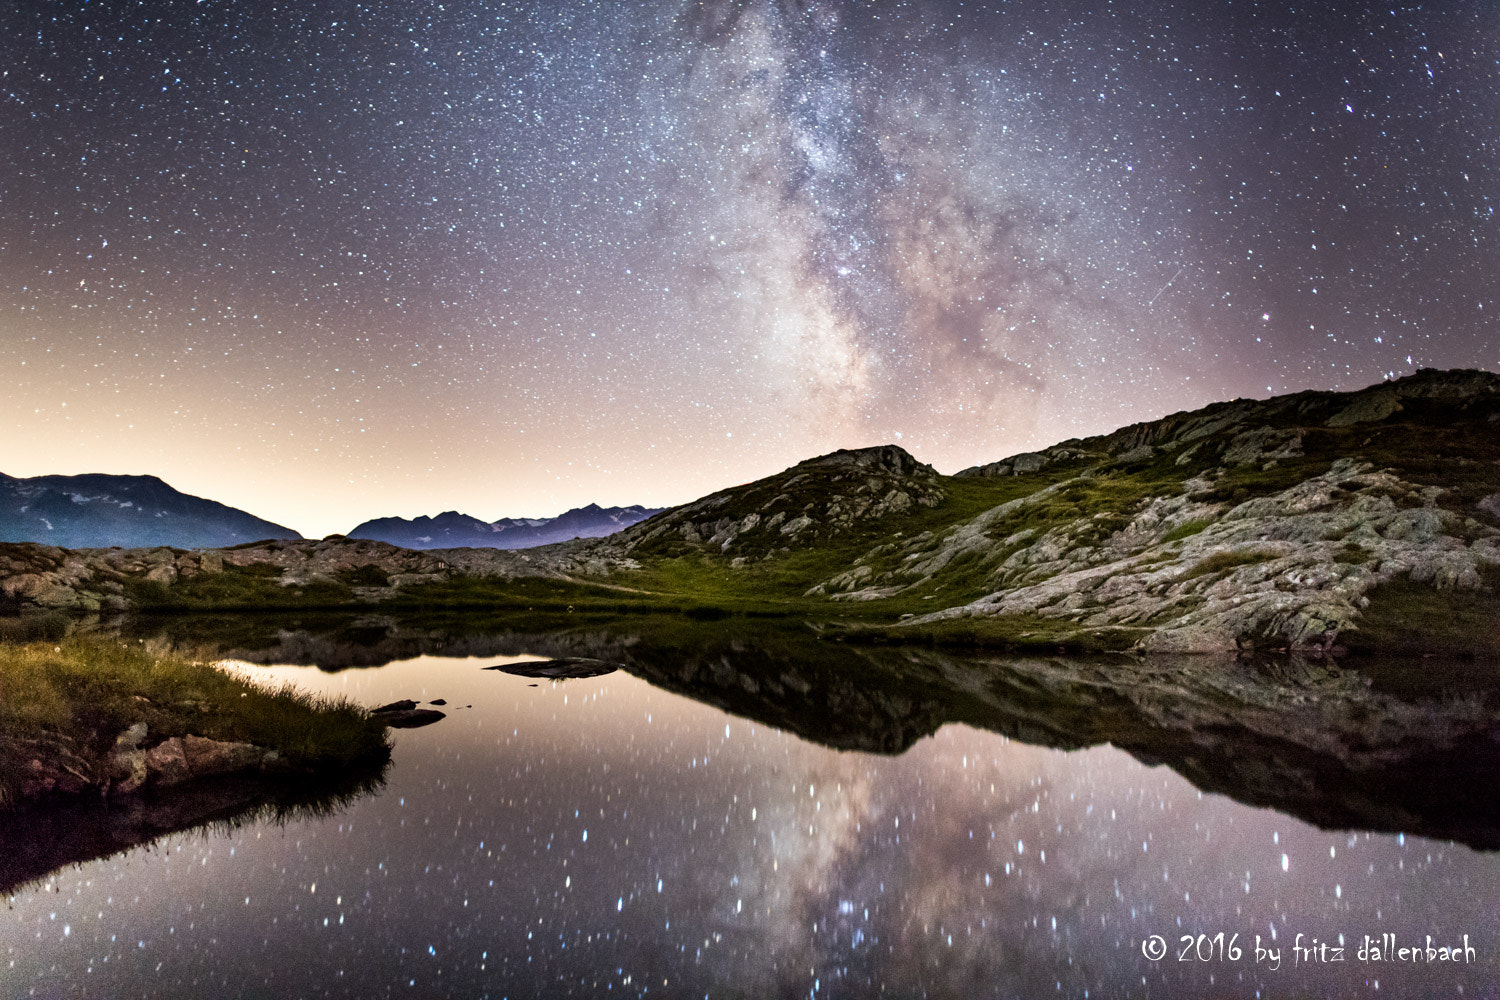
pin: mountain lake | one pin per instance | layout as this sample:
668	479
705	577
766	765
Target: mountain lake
768	815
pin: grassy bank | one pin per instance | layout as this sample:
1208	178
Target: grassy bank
257	586
62	705
1414	619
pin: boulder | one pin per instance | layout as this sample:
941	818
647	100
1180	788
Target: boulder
558	669
411	719
206	758
405	714
167	764
1028	462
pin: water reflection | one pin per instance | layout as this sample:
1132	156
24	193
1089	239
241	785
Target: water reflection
1403	753
609	834
36	840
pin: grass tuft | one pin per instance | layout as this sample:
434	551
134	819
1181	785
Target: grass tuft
83	692
1409	618
1220	561
1186	530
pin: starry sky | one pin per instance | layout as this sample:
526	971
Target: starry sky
329	260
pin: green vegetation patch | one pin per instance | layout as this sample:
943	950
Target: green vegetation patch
1186	530
696	596
257	586
780	568
1248	482
74	698
1221	561
365	576
1409	618
46	625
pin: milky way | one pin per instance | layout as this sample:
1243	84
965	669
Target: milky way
331	260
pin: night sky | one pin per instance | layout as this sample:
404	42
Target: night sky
327	260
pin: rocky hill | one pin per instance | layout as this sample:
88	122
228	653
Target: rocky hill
1314	520
131	511
1318	521
812	504
451	529
1274	522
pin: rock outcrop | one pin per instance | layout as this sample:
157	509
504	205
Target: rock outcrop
1292	568
135	763
1287	515
87	580
813	503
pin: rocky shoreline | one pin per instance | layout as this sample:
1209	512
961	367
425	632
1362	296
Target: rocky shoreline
58	766
105	720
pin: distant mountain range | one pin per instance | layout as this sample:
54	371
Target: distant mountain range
451	529
97	511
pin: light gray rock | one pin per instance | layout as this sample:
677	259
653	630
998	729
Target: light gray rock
132	737
1028	462
127	770
1263	444
1291	568
1138	454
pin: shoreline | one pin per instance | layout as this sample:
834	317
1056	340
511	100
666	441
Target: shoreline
91	718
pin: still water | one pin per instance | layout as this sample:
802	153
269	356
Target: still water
608	837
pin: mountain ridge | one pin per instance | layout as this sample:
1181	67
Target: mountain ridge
95	510
452	529
1314	521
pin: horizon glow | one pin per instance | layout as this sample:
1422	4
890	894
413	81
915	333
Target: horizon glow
328	262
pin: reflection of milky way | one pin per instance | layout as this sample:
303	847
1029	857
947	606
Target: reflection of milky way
602	837
513	257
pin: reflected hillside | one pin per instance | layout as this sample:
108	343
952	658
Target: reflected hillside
1397	747
37	839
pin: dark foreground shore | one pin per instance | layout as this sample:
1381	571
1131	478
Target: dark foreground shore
104	720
